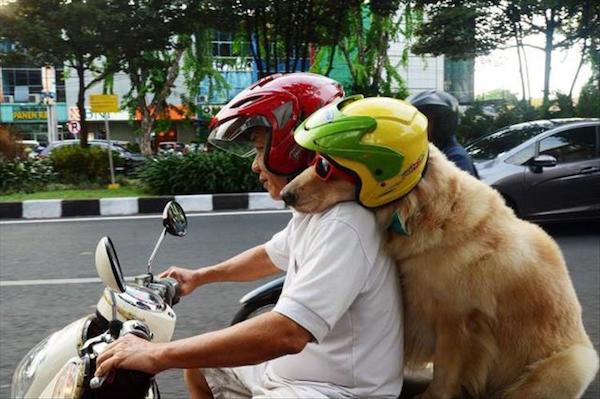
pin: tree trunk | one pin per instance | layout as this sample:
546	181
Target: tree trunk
583	50
331	57
151	113
550	26
147	126
265	30
521	74
254	50
83	134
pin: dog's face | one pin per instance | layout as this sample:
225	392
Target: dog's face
309	193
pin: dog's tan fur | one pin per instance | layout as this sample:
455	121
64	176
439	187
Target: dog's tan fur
487	296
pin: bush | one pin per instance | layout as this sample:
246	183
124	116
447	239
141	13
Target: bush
76	165
199	173
589	100
26	176
484	117
132	147
10	149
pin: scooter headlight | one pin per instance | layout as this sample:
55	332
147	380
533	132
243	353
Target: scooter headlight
28	367
70	380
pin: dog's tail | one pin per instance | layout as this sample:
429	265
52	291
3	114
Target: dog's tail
563	375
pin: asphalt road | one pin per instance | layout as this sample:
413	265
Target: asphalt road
30	251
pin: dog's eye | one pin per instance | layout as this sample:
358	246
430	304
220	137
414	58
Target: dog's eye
322	167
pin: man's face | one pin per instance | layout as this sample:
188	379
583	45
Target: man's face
271	182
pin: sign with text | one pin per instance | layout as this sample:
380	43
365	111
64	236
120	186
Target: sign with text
104	103
29	114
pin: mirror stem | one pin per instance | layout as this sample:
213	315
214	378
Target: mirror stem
113	298
162	236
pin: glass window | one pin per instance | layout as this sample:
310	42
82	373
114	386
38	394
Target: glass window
504	140
522	156
8	77
225	49
21	78
35	78
571	145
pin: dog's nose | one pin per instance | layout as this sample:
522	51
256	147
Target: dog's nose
289	198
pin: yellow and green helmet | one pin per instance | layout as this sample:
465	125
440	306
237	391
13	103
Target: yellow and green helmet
382	141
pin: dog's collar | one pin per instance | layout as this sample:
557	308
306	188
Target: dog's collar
397	226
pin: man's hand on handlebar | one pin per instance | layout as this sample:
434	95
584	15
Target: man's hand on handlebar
130	352
185	277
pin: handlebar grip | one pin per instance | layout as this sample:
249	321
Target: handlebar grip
173	293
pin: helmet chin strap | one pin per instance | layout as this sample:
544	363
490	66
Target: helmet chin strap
397	225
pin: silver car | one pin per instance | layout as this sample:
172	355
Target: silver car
546	170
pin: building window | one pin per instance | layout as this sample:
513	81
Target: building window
32	78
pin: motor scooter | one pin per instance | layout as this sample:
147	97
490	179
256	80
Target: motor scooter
63	364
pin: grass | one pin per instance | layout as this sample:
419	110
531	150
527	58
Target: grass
123	191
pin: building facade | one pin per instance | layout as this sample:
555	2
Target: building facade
21	93
21	102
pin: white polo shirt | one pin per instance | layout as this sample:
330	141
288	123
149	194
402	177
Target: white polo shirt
344	289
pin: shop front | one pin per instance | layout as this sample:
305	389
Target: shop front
30	121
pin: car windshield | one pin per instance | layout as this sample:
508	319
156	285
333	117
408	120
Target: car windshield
489	147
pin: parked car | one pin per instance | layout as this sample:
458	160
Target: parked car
546	170
171	147
194	148
132	159
33	148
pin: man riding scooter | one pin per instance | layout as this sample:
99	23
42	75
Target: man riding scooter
336	330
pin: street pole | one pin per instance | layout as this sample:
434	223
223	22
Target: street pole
49	116
55	122
110	159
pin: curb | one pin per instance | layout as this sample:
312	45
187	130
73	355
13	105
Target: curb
56	208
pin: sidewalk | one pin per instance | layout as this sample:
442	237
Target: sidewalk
56	208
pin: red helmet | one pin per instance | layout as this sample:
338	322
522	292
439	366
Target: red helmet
277	102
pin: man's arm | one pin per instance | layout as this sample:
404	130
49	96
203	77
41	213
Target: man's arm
248	266
253	341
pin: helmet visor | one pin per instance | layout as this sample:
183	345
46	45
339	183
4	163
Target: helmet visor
235	135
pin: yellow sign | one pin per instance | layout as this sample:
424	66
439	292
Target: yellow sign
104	103
29	115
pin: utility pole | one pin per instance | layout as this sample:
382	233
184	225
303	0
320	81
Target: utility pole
49	94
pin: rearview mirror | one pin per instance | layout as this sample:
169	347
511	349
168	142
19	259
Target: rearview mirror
174	219
544	161
108	267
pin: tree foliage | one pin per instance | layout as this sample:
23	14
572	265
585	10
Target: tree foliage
150	39
460	29
281	32
52	32
363	44
463	29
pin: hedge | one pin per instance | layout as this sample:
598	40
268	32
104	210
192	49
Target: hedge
75	164
25	176
199	173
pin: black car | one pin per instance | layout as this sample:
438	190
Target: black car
132	159
547	170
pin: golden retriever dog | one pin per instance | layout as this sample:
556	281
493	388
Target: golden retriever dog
487	296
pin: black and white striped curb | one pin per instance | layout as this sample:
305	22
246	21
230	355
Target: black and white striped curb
43	209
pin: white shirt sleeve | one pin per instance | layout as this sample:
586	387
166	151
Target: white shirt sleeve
278	250
333	273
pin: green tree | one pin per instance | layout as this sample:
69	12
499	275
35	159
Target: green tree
150	39
363	44
281	33
460	29
45	31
